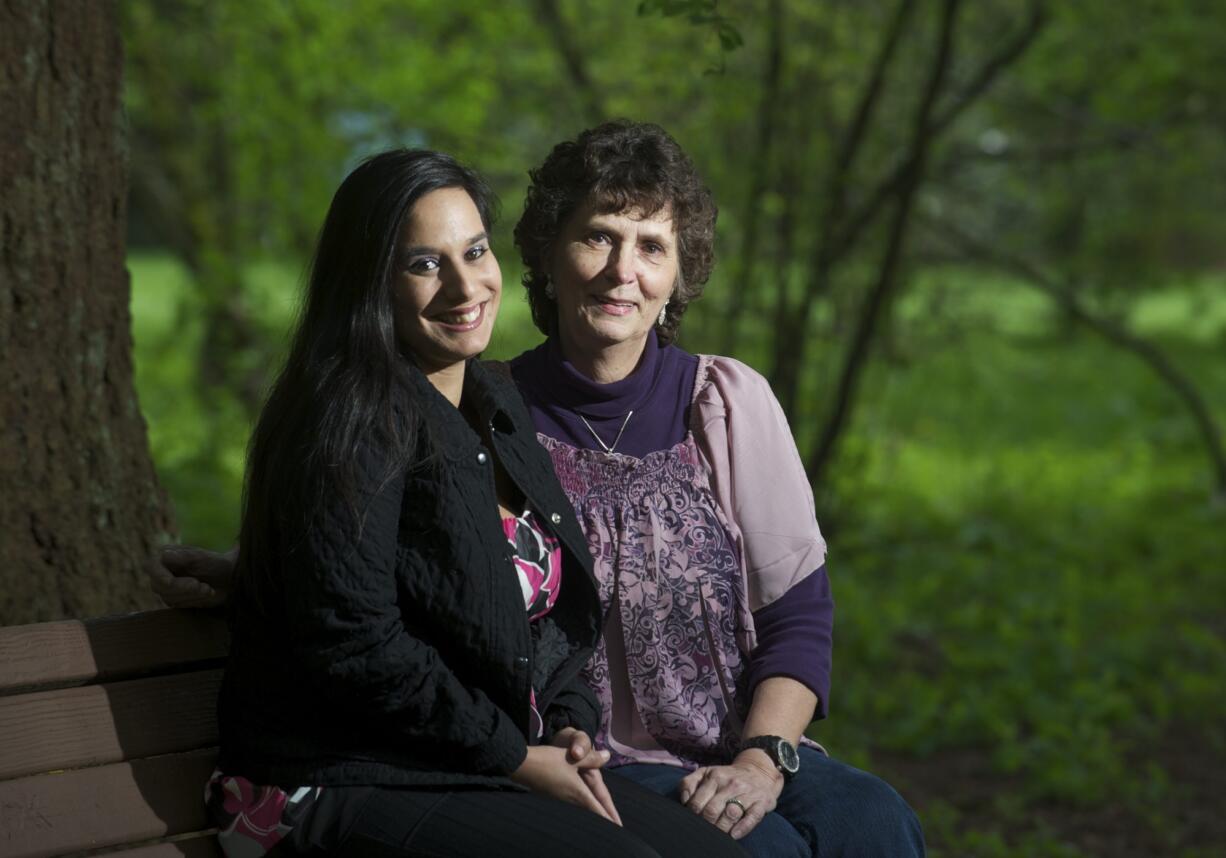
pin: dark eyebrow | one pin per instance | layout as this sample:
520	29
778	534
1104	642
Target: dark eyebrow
658	237
423	250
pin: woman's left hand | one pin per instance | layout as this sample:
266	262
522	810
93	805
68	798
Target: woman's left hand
710	791
581	752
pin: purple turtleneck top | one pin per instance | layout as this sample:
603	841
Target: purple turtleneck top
792	631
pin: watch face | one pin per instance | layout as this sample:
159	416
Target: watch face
789	760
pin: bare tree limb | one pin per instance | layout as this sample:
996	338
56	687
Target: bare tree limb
752	213
1065	296
987	74
853	138
867	212
550	15
843	231
855	357
786	370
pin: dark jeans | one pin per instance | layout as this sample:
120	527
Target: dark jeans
828	809
381	822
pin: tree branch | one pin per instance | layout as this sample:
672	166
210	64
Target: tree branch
843	232
922	134
785	372
1064	295
550	16
752	213
855	225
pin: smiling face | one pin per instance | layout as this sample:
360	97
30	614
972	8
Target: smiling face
447	284
613	273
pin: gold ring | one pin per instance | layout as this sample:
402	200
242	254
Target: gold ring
737	802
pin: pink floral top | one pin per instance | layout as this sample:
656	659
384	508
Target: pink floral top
252	819
687	542
538	562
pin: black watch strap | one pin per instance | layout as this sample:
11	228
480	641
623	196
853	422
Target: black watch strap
782	753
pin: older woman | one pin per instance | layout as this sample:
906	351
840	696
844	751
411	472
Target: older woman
696	508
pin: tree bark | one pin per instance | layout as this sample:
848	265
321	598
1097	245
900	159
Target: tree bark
81	510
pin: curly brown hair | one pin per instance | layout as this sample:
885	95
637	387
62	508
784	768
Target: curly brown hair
621	165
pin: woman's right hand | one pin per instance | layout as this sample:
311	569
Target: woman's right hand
551	771
189	577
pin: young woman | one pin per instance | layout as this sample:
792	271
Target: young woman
413	600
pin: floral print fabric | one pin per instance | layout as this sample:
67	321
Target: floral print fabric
538	564
661	544
252	819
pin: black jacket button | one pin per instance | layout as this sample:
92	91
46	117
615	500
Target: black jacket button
482	458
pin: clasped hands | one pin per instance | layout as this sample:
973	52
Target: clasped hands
568	769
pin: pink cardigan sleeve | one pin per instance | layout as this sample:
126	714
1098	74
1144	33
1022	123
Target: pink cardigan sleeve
757	477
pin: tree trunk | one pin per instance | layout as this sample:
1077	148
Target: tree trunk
81	511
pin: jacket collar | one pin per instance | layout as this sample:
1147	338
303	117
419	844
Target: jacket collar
486	395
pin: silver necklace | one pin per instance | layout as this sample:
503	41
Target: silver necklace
608	448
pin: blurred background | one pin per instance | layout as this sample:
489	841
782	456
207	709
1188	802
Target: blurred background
975	246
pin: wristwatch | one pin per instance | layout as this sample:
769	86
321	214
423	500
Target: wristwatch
781	751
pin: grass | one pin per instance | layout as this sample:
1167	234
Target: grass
1031	581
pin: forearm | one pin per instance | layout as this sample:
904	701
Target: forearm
781	707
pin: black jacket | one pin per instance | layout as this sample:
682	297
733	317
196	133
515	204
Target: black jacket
406	656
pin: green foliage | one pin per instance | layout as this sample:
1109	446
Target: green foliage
702	13
1024	560
1025	564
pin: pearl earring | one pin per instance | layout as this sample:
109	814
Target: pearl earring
551	291
663	316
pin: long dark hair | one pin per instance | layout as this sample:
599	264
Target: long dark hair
344	388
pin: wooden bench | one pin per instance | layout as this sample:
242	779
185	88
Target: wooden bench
108	732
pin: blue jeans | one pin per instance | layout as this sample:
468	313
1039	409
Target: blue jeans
828	809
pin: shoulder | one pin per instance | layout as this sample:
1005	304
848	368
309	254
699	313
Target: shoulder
528	363
726	382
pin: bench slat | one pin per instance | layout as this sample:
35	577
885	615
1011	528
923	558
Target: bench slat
46	815
74	727
74	652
